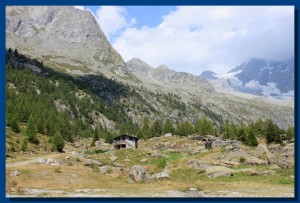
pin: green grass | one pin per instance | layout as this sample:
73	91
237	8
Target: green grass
161	163
96	151
282	177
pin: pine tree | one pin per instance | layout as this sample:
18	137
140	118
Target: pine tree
58	141
41	126
24	145
14	125
146	128
156	129
251	138
290	132
185	128
168	127
272	134
242	136
96	137
31	131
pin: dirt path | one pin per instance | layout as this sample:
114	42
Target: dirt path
33	160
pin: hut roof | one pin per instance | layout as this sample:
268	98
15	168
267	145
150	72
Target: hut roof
126	135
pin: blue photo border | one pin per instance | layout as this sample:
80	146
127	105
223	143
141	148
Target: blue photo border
4	3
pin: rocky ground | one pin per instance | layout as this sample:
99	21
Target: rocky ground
167	166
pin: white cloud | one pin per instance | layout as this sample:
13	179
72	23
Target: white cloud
113	19
80	7
197	38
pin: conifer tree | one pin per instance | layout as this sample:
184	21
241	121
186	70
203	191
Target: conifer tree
290	132
146	128
14	125
168	127
31	131
58	141
251	138
156	129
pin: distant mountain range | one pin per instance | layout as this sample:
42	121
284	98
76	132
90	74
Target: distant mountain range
71	41
258	77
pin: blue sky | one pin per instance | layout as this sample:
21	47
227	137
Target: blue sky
146	15
197	38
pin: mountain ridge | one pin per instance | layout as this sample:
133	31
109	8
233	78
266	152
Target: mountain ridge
168	93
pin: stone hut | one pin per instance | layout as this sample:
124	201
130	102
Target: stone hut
125	141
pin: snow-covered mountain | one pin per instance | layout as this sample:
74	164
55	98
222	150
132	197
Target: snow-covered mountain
257	77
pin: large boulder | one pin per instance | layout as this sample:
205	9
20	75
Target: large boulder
217	169
161	176
168	135
198	165
284	163
90	162
276	149
138	174
262	151
236	156
105	169
51	161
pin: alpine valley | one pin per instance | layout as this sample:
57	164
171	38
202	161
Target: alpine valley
71	100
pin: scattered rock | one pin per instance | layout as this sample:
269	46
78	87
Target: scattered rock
117	170
261	151
247	170
14	173
249	160
113	158
90	162
284	163
262	173
161	176
217	169
198	165
230	163
42	161
138	174
292	176
74	153
119	165
220	174
268	172
193	189
254	173
156	155
168	135
143	160
104	169
53	162
67	157
273	167
127	160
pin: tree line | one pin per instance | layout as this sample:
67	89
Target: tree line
30	102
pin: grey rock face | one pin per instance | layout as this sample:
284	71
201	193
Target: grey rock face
61	35
278	72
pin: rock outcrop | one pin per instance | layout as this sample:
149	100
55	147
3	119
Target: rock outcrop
138	174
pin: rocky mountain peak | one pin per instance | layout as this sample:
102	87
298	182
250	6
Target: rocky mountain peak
50	32
163	67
